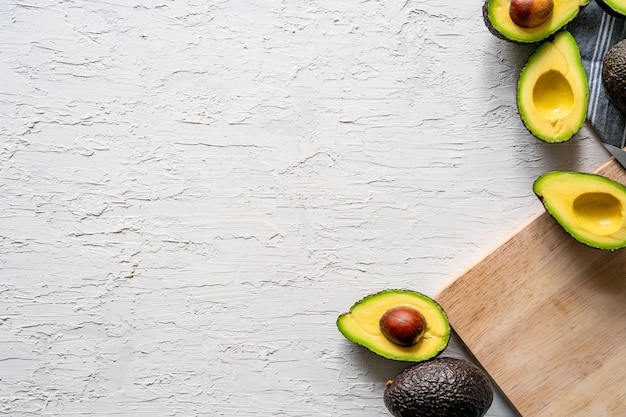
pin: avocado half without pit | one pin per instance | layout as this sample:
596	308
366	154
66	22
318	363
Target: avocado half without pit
529	21
552	91
402	325
590	207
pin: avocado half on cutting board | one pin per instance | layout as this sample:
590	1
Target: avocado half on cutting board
590	207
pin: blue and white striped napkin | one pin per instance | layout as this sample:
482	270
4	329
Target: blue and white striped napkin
595	32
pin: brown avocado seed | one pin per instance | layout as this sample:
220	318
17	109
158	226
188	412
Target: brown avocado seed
530	13
402	325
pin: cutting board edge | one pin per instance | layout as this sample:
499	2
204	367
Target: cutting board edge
482	257
528	223
446	295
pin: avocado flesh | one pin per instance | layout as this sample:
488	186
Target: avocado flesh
614	75
590	207
440	387
499	22
552	91
615	8
361	325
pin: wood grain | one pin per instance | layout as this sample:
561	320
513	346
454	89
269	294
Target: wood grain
545	316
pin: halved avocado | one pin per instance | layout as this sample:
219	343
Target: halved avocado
498	20
590	207
553	91
361	325
615	8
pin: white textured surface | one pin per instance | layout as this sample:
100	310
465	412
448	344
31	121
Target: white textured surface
192	191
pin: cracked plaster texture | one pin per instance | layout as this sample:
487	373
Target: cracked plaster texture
192	191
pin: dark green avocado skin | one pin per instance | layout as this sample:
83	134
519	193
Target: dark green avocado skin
440	387
614	75
489	25
494	31
609	9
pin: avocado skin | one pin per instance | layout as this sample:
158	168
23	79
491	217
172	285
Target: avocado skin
440	387
490	27
614	75
608	9
495	31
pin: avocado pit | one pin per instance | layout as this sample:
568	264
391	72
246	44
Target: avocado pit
403	325
530	13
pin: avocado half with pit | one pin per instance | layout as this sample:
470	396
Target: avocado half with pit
402	325
553	91
497	17
615	8
590	207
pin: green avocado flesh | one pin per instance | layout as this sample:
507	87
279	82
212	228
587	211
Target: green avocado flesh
361	325
616	8
440	387
498	20
553	91
590	207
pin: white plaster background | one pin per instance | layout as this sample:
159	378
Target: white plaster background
192	191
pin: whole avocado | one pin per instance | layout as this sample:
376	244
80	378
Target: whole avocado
440	387
614	75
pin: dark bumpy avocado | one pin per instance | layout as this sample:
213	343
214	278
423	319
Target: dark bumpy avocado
496	15
552	91
614	74
615	8
590	207
363	325
440	387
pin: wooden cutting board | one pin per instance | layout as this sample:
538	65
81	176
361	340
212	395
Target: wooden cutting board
546	316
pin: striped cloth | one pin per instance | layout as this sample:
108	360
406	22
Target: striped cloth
595	32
